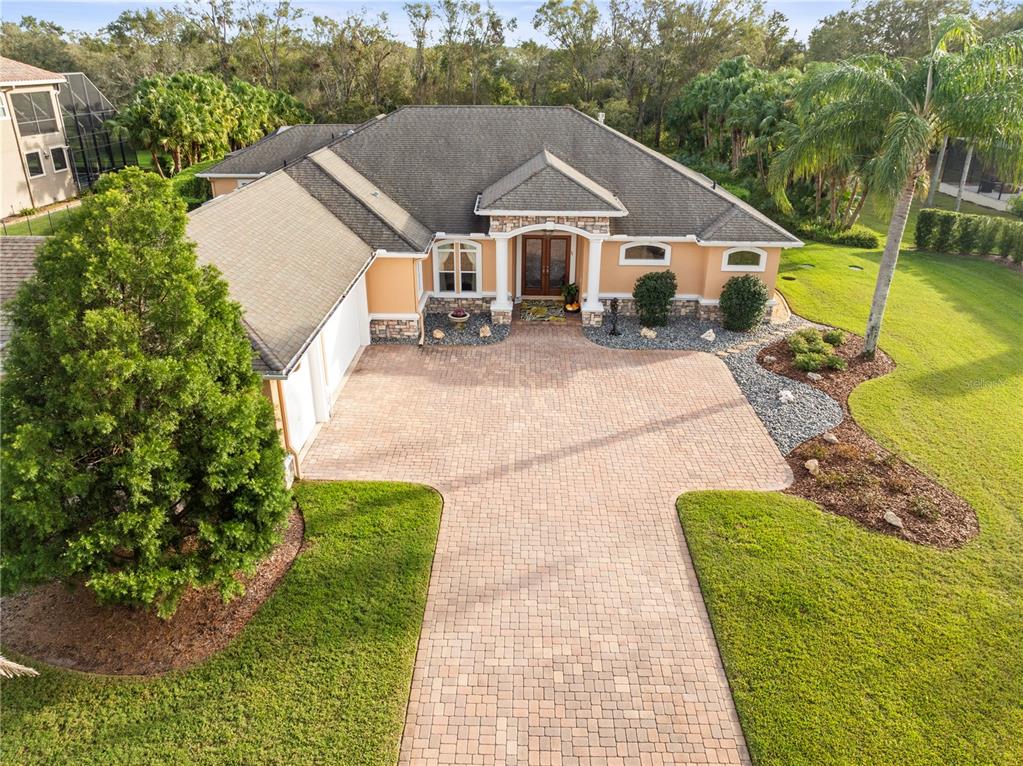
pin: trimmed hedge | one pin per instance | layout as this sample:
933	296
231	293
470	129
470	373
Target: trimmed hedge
743	302
652	294
855	236
945	231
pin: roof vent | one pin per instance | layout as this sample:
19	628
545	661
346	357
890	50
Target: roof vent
600	117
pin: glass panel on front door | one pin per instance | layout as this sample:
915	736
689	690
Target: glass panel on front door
532	258
557	269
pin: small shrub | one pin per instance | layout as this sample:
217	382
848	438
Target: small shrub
855	236
810	361
743	302
969	233
817	452
1016	206
653	294
832	479
924	508
900	485
835	362
809	339
925	226
945	234
868	500
845	451
834	337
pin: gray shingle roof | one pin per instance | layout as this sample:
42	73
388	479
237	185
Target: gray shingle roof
287	260
546	183
435	160
17	264
278	149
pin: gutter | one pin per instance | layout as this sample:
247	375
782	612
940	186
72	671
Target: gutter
285	431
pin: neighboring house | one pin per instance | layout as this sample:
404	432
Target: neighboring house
17	264
288	144
34	158
428	208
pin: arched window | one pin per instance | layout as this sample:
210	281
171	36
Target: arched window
744	259
456	266
644	254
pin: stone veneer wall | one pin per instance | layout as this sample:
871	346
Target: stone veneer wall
442	305
593	224
393	329
627	308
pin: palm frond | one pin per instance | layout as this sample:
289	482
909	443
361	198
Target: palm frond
904	150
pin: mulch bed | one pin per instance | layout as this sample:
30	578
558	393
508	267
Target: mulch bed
64	626
860	479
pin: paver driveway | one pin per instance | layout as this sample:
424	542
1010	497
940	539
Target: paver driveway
564	622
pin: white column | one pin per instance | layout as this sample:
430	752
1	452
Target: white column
592	303
501	302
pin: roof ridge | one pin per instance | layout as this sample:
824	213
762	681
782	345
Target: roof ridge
359	200
692	175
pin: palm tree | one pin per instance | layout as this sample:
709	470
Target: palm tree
962	88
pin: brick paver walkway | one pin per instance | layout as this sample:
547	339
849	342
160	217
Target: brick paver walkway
564	623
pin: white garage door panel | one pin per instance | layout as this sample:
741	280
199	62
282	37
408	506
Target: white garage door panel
345	333
298	398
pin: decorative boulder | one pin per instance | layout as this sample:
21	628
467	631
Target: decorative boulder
648	333
786	397
830	438
709	335
438	334
770	359
893	518
814	376
813	466
485	331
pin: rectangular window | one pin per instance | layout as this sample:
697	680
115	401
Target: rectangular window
446	268
59	157
34	161
467	269
3	108
34	112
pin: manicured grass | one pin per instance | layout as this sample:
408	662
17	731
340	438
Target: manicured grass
849	647
876	215
321	674
38	226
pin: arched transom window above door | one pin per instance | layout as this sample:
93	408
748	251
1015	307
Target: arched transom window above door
457	266
644	254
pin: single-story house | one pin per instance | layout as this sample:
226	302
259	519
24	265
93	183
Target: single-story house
287	144
432	207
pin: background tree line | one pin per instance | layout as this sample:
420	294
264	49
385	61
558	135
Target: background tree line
629	60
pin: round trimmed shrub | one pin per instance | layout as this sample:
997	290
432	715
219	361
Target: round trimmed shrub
652	295
743	302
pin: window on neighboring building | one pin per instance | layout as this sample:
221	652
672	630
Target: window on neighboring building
458	266
34	112
744	259
3	108
644	254
34	161
58	155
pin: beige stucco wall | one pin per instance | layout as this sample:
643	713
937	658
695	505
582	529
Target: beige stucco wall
223	185
391	286
45	189
697	269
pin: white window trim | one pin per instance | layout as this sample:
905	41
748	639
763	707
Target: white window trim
5	113
67	159
419	279
762	266
458	268
39	154
666	261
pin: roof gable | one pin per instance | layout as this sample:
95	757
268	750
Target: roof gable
546	184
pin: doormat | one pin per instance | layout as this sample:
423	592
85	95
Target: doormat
539	311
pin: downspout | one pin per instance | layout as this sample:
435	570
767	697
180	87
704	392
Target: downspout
284	428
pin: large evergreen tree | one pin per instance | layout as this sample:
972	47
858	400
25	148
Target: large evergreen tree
139	455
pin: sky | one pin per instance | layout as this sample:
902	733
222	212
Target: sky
90	15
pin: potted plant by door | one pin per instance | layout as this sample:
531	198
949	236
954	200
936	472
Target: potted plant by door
458	318
570	294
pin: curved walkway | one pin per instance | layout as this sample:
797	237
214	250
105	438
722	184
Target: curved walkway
564	622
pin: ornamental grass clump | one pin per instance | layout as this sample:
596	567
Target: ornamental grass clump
139	456
743	302
652	295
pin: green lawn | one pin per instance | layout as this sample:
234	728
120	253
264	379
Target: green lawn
848	647
321	674
876	215
39	226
